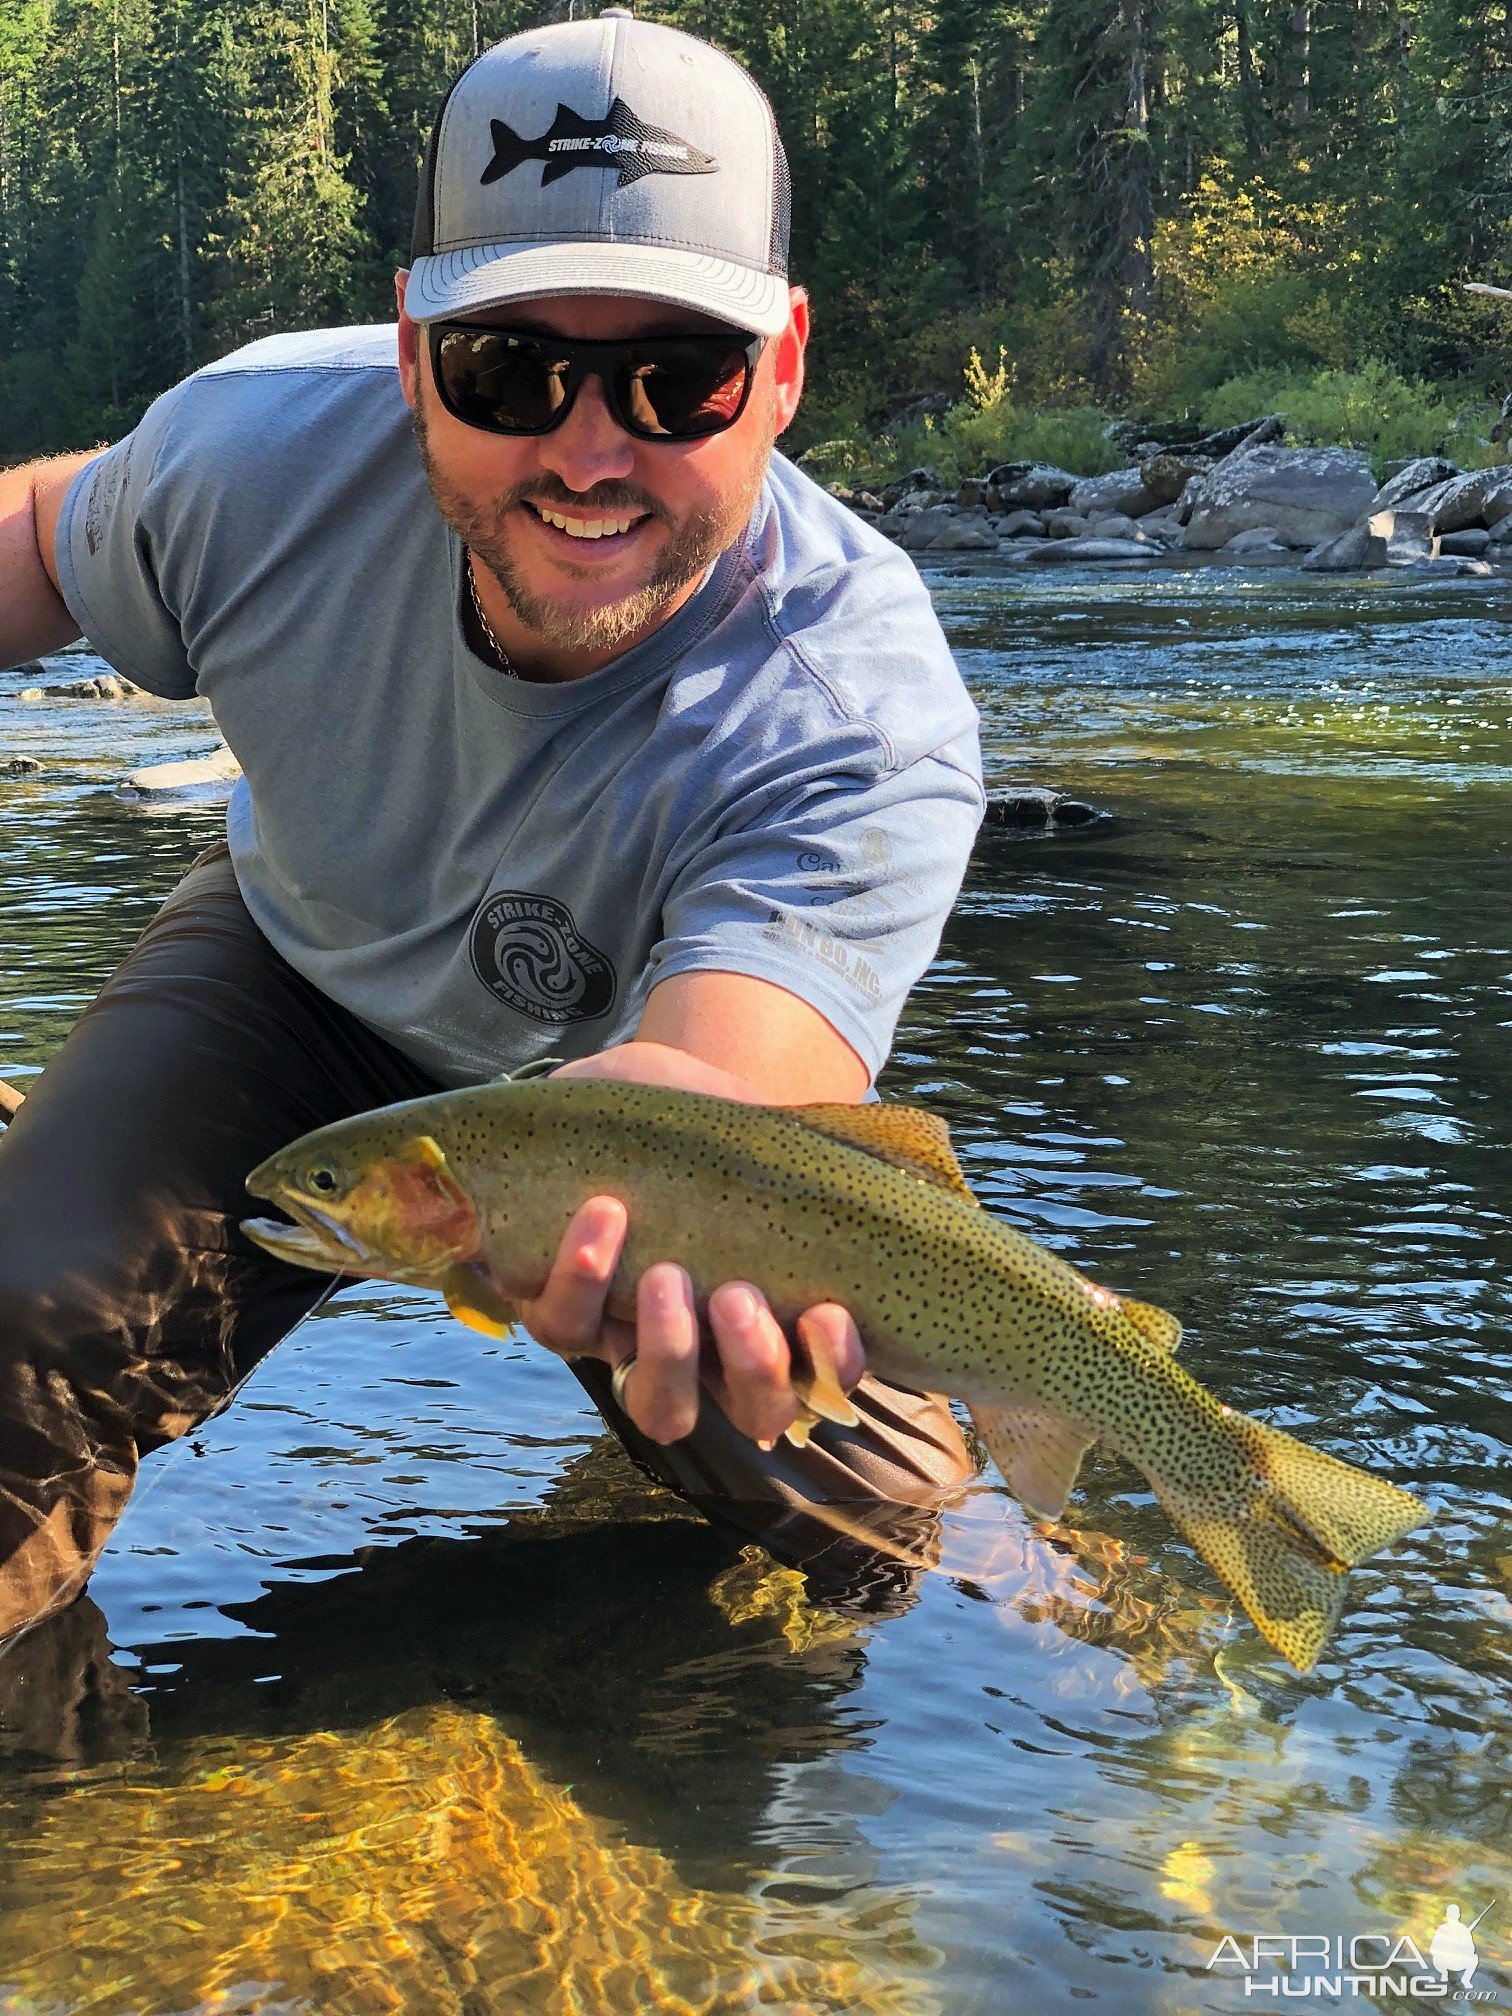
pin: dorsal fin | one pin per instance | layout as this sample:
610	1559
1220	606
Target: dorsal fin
906	1136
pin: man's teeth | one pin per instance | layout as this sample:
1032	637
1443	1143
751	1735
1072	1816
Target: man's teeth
587	528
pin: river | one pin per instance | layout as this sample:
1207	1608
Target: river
398	1689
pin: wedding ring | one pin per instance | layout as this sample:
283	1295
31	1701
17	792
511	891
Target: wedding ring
617	1380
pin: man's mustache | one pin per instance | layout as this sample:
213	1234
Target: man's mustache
606	500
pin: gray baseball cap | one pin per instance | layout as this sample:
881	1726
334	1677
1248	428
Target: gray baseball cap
610	156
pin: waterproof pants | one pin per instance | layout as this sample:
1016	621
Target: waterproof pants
131	1305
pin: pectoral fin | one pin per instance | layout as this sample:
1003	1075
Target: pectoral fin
474	1299
1159	1326
1038	1454
818	1386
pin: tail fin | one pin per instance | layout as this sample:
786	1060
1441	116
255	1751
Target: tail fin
1283	1544
509	151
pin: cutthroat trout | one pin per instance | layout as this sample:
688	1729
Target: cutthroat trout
470	1193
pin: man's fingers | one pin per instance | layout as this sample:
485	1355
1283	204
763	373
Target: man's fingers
833	1330
660	1392
755	1386
568	1314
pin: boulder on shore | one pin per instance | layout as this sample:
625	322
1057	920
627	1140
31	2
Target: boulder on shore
1422	473
1166	475
905	486
1120	490
1022	525
1484	497
1363	545
1029	486
964	535
1306	495
1410	537
912	529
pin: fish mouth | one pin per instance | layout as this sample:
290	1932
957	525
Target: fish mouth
318	1240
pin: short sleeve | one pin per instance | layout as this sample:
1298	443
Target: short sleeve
839	894
109	546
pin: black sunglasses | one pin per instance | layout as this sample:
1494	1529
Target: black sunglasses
659	388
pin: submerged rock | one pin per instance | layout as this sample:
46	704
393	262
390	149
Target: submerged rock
19	766
195	777
1122	551
1032	805
103	686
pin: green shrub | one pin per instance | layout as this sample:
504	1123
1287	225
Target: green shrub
1374	408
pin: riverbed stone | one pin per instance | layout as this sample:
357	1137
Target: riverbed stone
1501	534
1065	524
19	766
965	535
1364	545
1410	536
1022	525
1037	805
193	777
1116	526
1470	544
1100	550
916	529
1120	490
103	686
1031	486
1307	495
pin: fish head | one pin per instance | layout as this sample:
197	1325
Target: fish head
365	1204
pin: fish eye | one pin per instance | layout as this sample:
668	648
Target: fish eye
323	1177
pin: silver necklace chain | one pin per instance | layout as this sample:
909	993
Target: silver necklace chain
488	630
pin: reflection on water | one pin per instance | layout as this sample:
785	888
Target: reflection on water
399	1688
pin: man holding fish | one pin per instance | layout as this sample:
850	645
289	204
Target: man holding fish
573	723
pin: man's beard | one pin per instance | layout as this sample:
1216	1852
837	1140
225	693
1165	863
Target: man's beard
692	547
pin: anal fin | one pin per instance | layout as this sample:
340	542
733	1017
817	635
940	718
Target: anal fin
1038	1454
474	1299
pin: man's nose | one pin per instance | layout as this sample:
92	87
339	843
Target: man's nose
590	446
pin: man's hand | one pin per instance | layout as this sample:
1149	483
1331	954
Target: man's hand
745	1363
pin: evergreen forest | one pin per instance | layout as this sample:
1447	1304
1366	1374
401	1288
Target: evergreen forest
1128	205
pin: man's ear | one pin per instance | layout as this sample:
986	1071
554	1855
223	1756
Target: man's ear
788	351
409	342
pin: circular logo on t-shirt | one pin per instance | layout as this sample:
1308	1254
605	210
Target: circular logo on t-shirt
527	950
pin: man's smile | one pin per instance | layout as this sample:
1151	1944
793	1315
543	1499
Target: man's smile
608	532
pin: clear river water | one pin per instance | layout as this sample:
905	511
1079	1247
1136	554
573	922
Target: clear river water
398	1689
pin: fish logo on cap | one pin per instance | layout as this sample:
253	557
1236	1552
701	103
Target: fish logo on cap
621	141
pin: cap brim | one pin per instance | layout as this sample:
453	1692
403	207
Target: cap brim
493	276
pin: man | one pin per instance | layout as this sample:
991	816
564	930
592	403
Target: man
573	725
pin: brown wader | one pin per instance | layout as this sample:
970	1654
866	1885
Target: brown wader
131	1306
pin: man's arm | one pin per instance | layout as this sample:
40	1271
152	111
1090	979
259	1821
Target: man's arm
33	615
741	1038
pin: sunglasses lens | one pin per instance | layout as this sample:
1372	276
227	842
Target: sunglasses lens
507	384
682	390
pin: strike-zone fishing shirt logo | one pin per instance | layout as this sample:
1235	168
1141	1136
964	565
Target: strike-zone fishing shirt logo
1371	1966
527	951
621	141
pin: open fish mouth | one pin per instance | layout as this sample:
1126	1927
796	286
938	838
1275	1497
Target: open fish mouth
317	1241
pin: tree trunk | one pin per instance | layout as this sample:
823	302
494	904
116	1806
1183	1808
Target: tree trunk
1299	68
1249	93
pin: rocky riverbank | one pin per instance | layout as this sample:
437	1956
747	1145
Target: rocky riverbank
1240	496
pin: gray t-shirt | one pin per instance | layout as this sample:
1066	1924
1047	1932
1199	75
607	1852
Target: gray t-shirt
783	781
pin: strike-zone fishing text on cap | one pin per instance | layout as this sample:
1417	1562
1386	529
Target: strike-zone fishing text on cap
610	156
